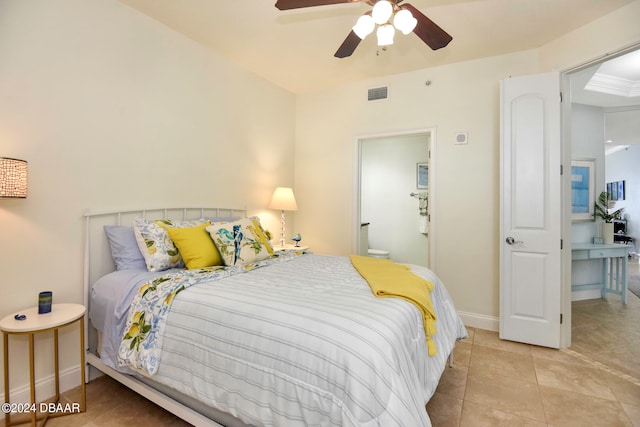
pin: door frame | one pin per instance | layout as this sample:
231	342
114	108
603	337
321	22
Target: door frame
565	198
565	129
431	147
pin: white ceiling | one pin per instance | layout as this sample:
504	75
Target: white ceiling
294	49
614	83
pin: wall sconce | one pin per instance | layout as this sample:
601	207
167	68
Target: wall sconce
284	200
13	178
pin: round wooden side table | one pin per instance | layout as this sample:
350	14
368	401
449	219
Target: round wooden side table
61	315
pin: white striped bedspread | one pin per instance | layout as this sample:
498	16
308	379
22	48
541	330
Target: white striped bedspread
306	343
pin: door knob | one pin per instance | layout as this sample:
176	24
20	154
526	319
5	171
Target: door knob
511	241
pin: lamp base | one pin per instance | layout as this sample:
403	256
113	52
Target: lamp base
282	227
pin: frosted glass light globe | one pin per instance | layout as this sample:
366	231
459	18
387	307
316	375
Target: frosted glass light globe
385	35
404	21
381	12
364	26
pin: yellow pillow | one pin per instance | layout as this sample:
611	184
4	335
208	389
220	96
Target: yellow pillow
195	246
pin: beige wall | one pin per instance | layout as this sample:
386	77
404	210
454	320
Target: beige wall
461	97
113	110
594	41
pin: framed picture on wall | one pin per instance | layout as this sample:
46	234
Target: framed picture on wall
583	189
616	190
621	190
422	175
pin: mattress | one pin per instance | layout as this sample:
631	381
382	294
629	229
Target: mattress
296	343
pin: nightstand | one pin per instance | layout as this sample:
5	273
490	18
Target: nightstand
290	248
61	315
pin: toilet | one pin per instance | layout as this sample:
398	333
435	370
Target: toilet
364	244
378	253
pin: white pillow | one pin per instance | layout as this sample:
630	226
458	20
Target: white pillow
157	248
241	242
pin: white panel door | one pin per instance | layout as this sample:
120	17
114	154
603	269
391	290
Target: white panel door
530	214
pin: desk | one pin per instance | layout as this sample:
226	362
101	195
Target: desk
613	279
61	315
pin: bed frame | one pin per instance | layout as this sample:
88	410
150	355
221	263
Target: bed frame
98	262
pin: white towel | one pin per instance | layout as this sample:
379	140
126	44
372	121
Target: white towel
423	225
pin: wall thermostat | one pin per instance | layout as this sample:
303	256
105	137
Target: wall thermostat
462	138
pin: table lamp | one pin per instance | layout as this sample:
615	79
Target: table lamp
284	200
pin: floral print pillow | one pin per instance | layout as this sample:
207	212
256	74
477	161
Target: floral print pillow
241	242
157	248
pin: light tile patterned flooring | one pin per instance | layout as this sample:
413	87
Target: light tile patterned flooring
596	382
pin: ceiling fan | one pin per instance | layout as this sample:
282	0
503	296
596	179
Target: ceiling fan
387	14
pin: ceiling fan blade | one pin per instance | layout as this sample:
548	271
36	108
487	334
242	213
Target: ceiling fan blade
348	46
298	4
430	33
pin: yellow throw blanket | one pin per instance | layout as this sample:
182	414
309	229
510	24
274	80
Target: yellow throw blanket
388	279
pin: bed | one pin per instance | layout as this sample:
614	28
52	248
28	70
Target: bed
284	339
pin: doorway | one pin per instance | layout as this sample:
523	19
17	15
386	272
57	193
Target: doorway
395	190
591	111
567	234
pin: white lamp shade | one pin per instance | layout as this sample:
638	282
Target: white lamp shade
385	35
404	21
283	199
364	26
382	12
13	178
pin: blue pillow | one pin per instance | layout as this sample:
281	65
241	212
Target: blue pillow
124	248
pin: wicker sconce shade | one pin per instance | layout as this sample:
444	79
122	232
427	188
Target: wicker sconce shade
13	178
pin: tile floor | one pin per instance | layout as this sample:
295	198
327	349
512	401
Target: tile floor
596	382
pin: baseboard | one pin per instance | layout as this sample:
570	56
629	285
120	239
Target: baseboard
586	294
46	387
480	321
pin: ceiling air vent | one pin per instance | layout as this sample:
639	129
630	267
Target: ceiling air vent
377	93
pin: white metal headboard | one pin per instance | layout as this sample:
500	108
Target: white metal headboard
97	254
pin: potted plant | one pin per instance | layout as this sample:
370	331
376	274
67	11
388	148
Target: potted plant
603	206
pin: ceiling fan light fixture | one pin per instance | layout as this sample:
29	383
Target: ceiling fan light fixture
382	12
404	21
385	35
364	26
